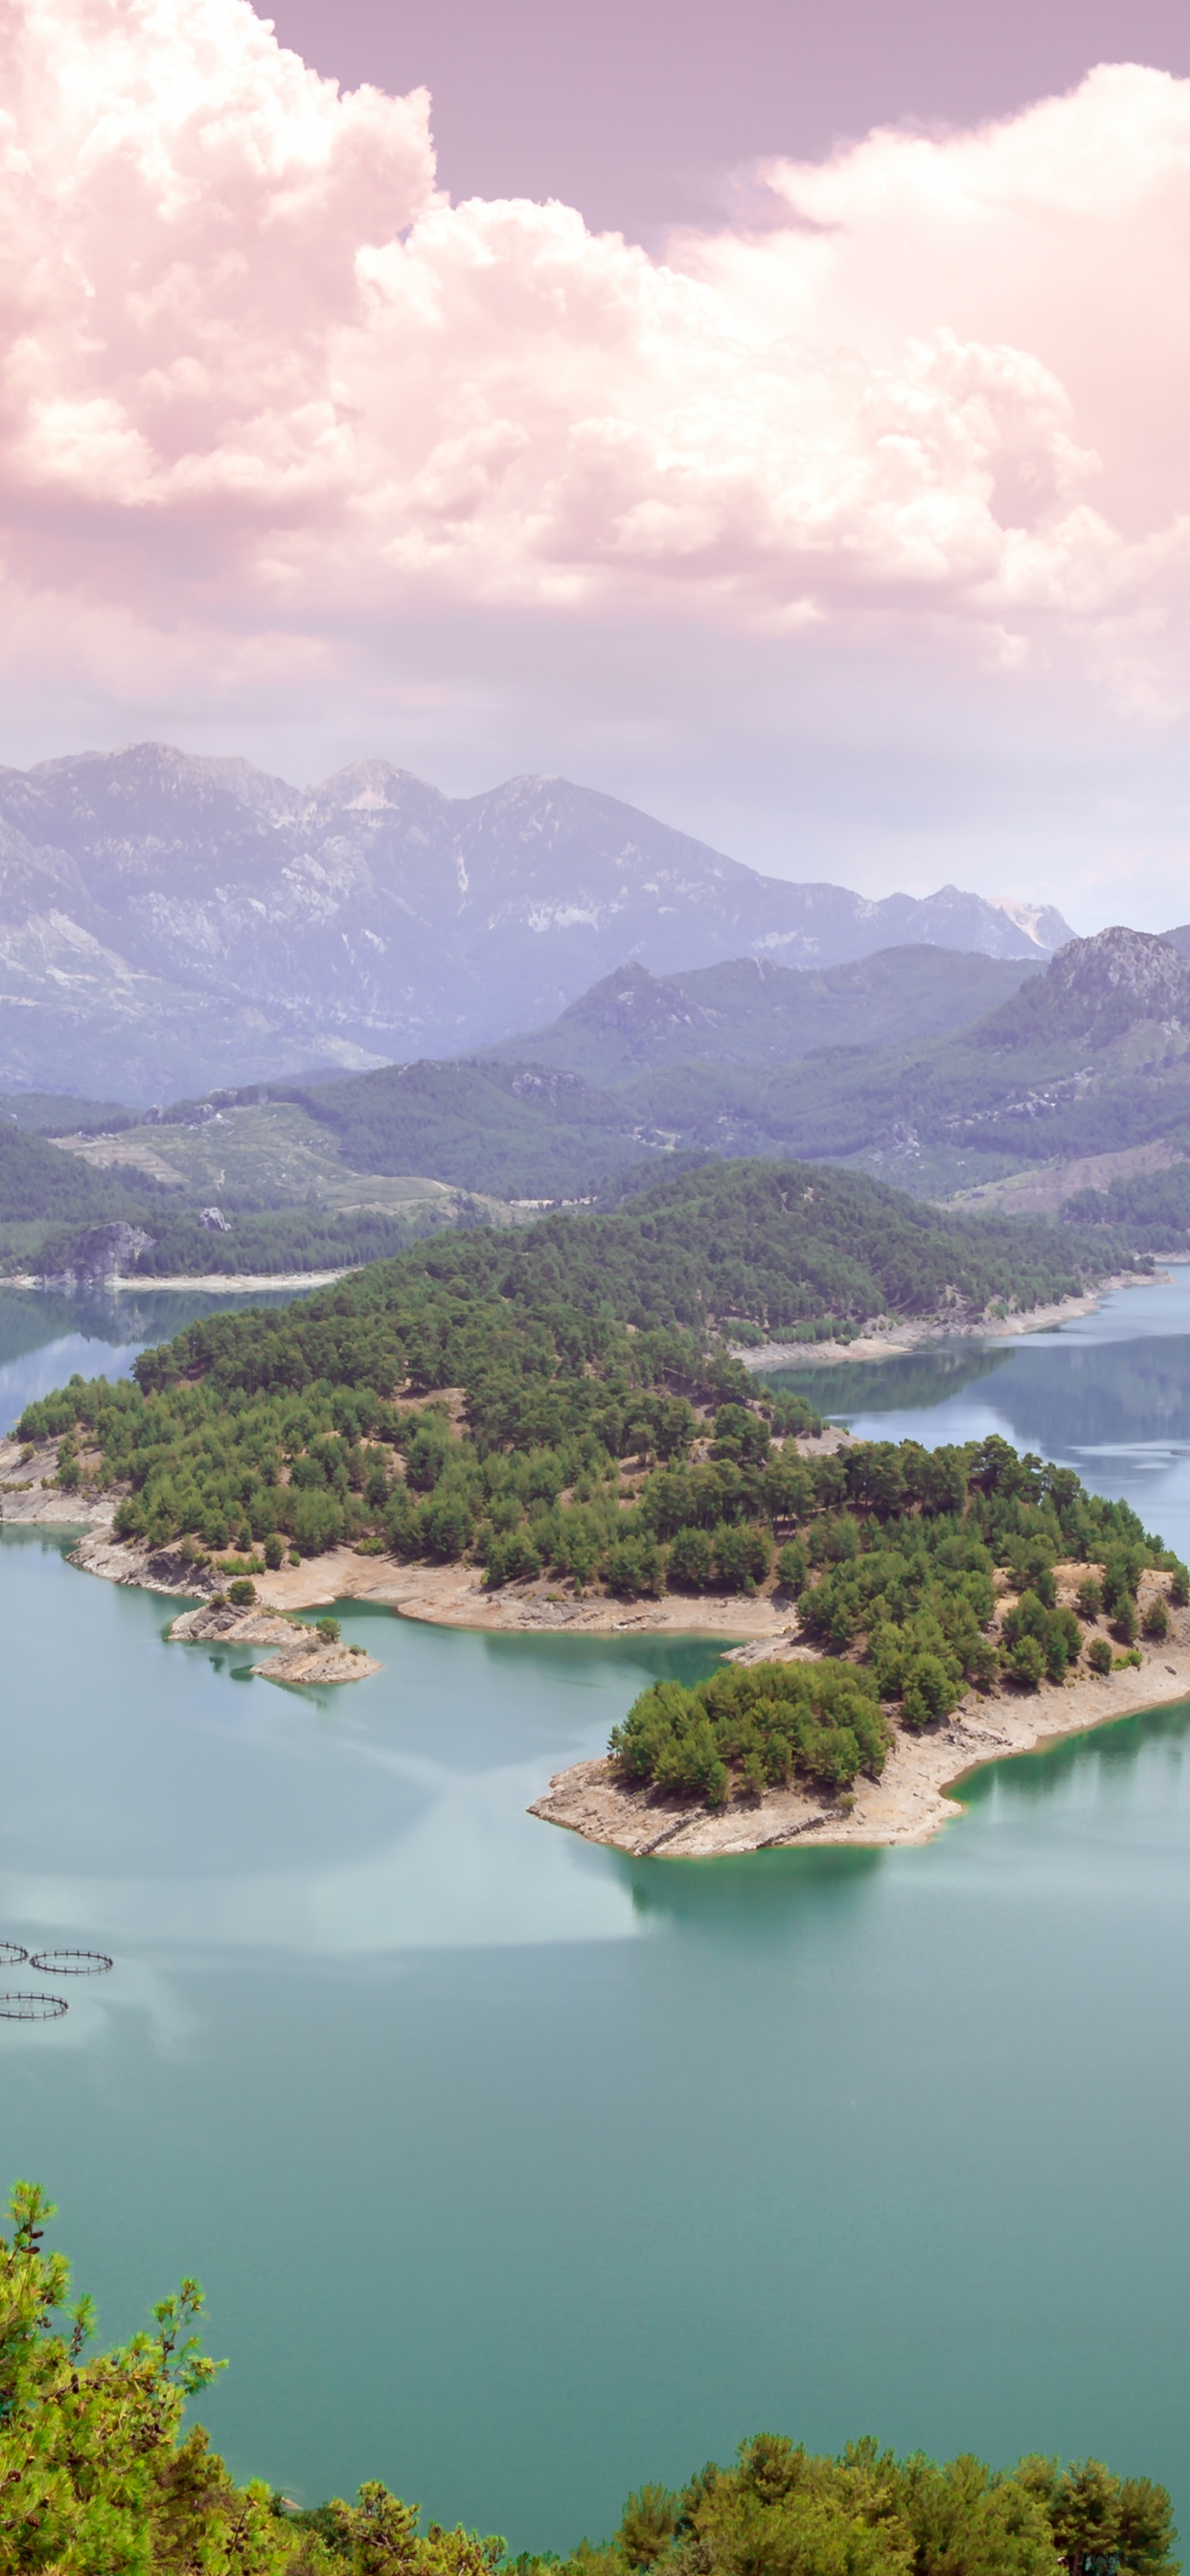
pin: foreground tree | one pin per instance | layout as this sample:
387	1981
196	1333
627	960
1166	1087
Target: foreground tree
98	2479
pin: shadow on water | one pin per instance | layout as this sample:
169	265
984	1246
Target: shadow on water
755	1898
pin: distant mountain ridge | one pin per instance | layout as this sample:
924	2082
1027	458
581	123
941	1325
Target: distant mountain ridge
751	1012
1091	1053
170	922
1091	1046
1091	1056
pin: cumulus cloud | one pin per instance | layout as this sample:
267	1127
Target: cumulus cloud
267	392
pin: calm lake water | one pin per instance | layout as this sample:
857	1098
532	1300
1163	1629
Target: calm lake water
518	2172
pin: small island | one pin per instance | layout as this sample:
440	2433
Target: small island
307	1655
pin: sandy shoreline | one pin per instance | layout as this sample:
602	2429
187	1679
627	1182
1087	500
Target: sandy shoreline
237	1283
883	1341
909	1804
443	1596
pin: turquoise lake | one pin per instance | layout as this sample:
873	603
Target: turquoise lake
517	2172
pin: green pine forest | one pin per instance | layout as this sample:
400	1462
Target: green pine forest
98	2477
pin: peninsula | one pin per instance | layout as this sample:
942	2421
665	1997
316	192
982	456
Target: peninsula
911	1799
552	1430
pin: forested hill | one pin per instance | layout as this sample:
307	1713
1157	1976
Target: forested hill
1090	1056
557	1351
556	1405
38	1184
516	1131
752	1012
772	1246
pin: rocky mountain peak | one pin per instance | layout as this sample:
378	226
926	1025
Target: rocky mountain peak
1040	922
1123	991
1124	966
369	787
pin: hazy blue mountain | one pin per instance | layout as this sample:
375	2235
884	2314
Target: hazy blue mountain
751	1012
1091	1056
168	922
1092	1053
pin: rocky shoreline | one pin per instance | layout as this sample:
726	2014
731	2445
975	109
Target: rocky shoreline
910	1802
222	1283
305	1656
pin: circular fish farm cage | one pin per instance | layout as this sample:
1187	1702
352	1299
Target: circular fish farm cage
32	2007
71	1963
12	1955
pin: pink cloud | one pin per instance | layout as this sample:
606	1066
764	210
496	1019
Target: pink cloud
266	390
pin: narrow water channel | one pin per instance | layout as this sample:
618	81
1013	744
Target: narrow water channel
518	2172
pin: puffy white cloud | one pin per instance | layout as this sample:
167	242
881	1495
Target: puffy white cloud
269	400
234	302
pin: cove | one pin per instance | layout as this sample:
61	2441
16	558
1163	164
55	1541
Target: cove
518	2172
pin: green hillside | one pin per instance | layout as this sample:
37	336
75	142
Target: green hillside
1092	1056
1089	1057
752	1012
40	1183
58	1113
286	1200
516	1131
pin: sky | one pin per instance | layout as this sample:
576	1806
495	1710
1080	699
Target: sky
774	416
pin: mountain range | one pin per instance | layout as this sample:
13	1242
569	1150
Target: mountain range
1073	1092
168	923
1089	1056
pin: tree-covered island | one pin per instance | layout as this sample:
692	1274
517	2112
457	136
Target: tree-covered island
98	2477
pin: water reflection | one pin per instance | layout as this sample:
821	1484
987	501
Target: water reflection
45	1336
189	1816
912	1378
757	1898
1091	1760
